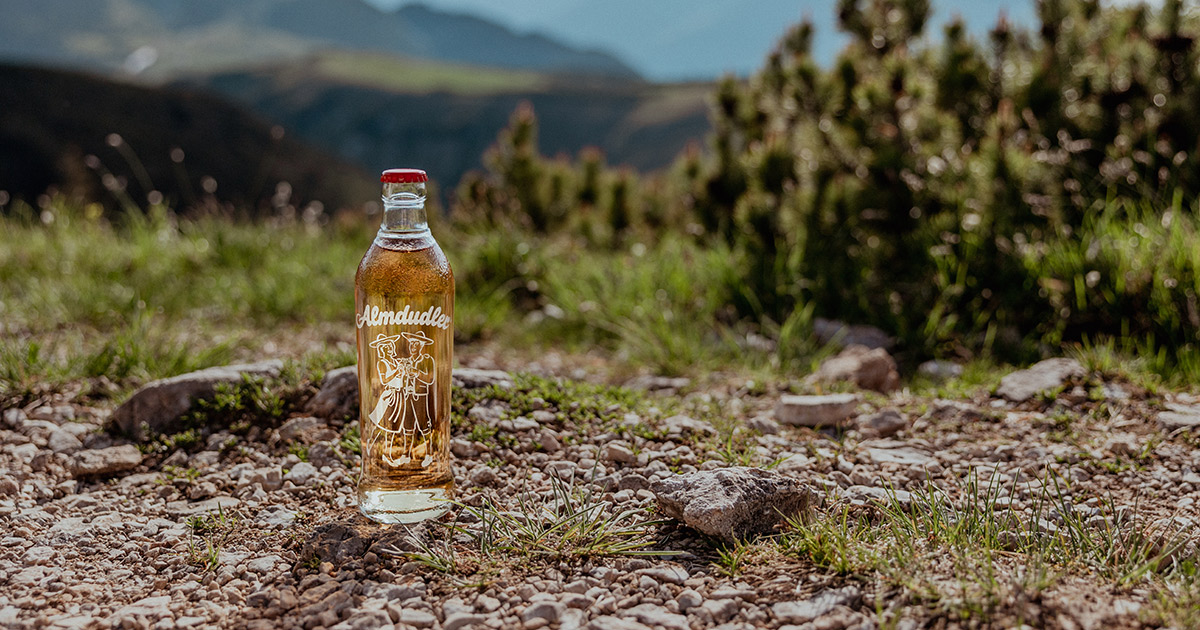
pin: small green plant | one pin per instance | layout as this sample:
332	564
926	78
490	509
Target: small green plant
350	441
299	450
730	558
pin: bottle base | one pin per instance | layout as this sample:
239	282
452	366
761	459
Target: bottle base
404	506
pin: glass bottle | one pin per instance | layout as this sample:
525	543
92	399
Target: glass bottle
404	298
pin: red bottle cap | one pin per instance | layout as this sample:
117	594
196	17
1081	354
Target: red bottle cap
403	176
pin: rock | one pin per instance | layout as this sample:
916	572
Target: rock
301	473
886	423
1178	417
457	621
794	463
295	428
686	425
816	411
861	495
618	452
721	610
214	505
61	441
337	397
472	378
263	564
549	441
732	502
816	606
152	608
831	331
663	384
688	599
417	618
277	516
158	406
668	575
654	615
940	370
366	620
549	611
1042	376
867	368
764	425
903	456
105	461
607	622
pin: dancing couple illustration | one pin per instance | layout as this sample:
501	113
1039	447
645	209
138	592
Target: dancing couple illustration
405	411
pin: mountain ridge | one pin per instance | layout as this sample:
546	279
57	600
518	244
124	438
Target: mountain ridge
174	36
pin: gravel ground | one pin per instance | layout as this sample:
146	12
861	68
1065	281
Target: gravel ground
257	528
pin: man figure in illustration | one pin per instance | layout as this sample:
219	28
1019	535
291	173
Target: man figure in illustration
405	408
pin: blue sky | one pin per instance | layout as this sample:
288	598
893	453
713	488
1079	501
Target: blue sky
694	39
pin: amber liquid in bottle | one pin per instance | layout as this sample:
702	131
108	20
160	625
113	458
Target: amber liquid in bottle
404	298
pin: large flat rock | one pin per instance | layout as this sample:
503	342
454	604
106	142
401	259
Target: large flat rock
816	411
1040	377
159	406
729	503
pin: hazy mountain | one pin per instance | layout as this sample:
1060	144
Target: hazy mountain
162	38
670	40
69	130
384	112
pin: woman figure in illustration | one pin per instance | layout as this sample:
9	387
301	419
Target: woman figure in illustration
404	412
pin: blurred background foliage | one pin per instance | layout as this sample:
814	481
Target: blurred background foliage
998	197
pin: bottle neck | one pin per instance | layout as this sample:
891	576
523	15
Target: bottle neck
402	218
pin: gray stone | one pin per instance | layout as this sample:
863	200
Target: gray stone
816	411
105	461
1040	377
159	406
618	452
366	620
608	622
886	423
794	463
820	604
417	618
1186	417
213	505
669	575
152	608
457	621
875	494
867	368
832	331
472	378
277	516
654	615
688	599
550	611
732	502
301	473
61	441
721	610
295	428
658	383
337	397
903	456
686	425
764	425
940	370
263	564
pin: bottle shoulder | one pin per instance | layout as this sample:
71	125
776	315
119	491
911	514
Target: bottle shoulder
405	270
